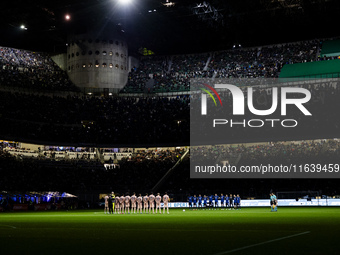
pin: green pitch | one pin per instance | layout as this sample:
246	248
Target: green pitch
215	232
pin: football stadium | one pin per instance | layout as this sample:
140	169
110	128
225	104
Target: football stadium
179	127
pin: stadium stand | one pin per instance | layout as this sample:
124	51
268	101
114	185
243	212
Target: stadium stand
150	120
117	120
255	154
94	120
32	71
37	71
330	48
312	70
172	73
43	172
142	171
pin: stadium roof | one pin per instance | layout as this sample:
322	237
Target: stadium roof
188	26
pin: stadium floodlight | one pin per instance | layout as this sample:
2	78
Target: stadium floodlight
67	17
23	27
169	4
124	2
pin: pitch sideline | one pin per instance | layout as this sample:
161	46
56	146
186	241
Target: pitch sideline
258	244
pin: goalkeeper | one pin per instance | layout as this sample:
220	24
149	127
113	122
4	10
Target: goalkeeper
273	202
113	198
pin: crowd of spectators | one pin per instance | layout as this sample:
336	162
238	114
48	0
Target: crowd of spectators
93	120
145	168
321	151
159	154
302	152
173	73
149	68
154	120
37	71
139	172
263	62
32	71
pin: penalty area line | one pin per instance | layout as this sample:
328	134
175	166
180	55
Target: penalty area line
258	244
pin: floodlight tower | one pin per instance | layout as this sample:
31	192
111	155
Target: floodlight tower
97	51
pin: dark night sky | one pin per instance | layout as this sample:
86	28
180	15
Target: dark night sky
168	30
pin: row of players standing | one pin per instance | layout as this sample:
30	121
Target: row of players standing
231	201
121	204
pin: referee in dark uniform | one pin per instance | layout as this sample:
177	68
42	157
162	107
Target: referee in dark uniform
110	205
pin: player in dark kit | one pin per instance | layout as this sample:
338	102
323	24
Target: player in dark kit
226	201
190	201
210	200
194	199
205	201
231	201
200	201
110	204
222	200
216	201
238	202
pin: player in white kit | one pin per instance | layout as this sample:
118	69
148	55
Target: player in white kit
166	202
158	200
127	203
152	203
106	206
146	200
133	200
140	204
117	204
121	204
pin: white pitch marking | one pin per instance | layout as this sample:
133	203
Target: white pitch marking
9	226
257	244
50	215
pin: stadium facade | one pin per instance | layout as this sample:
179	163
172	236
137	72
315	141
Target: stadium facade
97	61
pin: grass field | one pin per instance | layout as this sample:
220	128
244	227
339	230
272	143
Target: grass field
215	232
